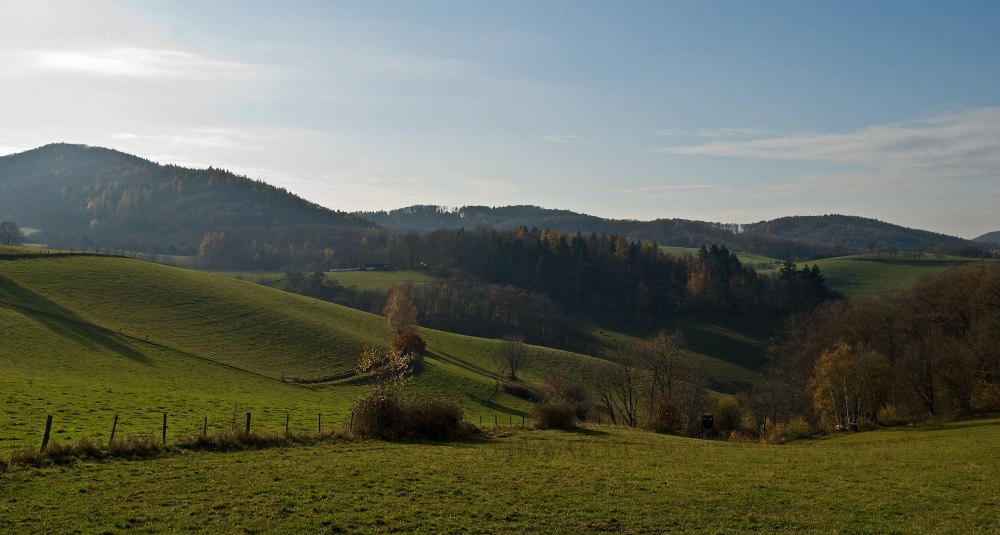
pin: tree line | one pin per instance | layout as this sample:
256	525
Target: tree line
932	351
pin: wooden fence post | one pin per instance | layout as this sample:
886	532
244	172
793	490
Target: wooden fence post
319	424
248	424
164	429
114	426
48	429
286	424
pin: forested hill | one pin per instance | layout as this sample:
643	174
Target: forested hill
992	238
797	238
85	196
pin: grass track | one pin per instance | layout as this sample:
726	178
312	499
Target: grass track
930	480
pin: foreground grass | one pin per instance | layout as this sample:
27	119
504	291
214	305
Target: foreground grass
935	480
74	345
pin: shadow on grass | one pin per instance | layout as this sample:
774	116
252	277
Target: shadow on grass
63	321
496	407
459	363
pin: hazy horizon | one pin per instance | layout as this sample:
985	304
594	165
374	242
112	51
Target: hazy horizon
727	112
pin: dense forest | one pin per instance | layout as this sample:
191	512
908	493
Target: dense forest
532	281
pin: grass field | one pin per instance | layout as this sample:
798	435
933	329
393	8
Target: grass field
917	480
865	276
87	337
362	280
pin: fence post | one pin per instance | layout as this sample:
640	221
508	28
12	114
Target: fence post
164	429
114	426
248	424
494	420
48	429
350	428
204	428
319	424
286	425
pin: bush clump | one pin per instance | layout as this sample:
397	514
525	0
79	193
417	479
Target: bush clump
554	414
386	414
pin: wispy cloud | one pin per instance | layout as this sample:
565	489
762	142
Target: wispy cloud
568	138
713	132
140	63
946	147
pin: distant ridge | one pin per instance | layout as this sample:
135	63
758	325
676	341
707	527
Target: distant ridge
793	237
84	196
992	238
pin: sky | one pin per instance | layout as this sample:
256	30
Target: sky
735	112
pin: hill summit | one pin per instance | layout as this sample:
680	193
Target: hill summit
83	196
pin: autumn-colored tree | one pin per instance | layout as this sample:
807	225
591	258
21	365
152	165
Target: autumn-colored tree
409	343
400	312
849	384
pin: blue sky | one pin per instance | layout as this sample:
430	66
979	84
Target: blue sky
720	111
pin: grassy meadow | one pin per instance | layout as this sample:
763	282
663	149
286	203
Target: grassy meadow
910	480
866	276
362	280
88	337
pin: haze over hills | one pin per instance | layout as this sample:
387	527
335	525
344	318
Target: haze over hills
82	196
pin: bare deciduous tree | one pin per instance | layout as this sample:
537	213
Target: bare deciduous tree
10	233
511	355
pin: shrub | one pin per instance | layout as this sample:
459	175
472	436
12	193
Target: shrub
888	416
520	391
378	414
663	416
409	343
385	414
554	414
784	432
434	419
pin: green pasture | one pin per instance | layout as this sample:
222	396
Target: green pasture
914	480
727	348
362	280
747	259
865	276
88	337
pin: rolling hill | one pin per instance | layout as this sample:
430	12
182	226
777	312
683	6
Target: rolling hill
87	337
795	237
81	196
991	238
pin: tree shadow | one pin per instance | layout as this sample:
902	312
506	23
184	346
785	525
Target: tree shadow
496	407
63	322
460	363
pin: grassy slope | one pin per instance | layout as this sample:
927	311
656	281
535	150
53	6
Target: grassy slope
362	280
929	480
217	346
864	276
